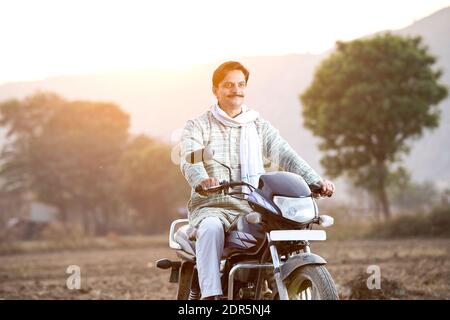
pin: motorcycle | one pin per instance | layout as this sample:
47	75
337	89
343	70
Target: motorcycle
267	253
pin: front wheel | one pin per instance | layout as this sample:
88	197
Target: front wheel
311	282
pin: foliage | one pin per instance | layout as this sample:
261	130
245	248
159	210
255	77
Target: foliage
150	183
366	102
79	157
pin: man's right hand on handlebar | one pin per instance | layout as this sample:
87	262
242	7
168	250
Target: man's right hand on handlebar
323	188
206	184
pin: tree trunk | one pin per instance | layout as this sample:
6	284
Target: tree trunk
381	189
376	208
87	220
385	202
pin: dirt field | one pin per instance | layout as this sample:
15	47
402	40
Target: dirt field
410	269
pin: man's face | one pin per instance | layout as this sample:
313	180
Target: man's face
231	90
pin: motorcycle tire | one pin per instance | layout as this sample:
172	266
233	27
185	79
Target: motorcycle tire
311	282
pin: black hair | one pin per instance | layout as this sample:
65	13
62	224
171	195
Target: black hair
220	73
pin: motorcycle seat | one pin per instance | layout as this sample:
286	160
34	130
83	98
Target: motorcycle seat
184	236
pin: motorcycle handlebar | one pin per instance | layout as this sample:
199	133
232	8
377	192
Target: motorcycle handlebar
315	188
222	186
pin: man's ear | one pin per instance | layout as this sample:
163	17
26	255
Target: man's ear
214	90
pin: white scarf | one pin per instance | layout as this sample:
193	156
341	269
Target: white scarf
250	150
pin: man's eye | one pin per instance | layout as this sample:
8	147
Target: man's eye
228	85
242	84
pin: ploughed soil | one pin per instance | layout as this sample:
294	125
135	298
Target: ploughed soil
409	269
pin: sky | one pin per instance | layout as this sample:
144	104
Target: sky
47	38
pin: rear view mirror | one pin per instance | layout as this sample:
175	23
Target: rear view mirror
200	155
205	154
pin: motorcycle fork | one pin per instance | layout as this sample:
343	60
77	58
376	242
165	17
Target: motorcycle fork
261	278
282	291
307	248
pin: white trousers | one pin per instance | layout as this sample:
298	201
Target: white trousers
209	249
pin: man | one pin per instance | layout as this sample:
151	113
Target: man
241	139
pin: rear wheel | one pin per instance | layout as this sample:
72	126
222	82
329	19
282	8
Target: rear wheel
311	282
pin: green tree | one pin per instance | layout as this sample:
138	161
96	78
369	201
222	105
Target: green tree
366	101
75	161
65	153
151	184
24	121
79	157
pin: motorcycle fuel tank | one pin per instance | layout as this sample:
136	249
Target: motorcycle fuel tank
285	184
243	237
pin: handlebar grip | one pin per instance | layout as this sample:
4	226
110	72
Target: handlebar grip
198	188
317	190
315	187
217	188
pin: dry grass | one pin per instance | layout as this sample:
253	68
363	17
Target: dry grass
435	224
112	241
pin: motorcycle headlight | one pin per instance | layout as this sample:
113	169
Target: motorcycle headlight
297	209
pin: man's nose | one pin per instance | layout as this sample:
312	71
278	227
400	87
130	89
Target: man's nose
235	88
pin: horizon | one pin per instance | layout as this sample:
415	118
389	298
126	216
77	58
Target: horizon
63	46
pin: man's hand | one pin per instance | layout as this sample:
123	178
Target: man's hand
208	183
327	188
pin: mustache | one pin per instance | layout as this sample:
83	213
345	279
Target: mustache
235	95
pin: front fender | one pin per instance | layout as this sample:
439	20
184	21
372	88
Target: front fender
299	261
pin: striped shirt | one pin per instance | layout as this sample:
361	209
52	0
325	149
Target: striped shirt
208	131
